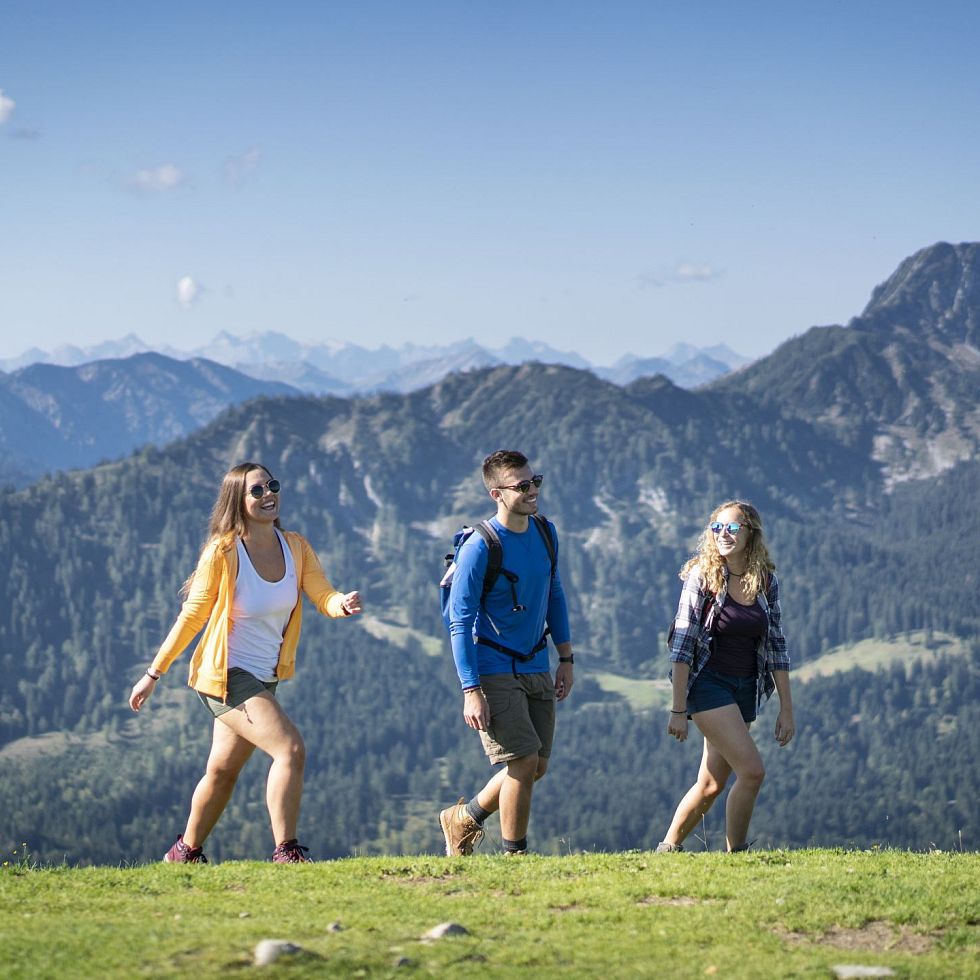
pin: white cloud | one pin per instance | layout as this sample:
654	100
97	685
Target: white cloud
157	180
682	272
6	107
695	272
188	292
236	168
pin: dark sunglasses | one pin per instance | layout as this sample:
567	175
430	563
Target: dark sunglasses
733	527
525	485
258	491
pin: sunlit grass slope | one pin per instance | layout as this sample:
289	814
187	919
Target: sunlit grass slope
761	914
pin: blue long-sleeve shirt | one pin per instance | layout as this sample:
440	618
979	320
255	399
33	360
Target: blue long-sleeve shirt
526	555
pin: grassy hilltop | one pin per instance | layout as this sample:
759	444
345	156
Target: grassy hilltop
762	914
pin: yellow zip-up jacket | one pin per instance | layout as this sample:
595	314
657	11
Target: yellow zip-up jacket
211	600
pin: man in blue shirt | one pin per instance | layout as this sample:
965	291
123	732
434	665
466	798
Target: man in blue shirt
509	700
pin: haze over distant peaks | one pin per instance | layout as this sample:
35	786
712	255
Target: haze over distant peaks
334	367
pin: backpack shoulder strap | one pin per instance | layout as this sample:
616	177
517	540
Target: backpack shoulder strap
544	529
495	556
706	611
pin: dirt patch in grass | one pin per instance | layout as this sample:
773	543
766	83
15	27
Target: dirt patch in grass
675	900
411	876
876	937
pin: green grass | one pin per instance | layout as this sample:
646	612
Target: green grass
641	694
761	914
880	654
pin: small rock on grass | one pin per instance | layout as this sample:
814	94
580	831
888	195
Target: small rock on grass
270	950
402	962
846	970
335	927
446	929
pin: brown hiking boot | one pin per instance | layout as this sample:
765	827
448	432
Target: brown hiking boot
664	848
461	831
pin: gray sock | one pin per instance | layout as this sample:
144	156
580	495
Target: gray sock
514	845
477	812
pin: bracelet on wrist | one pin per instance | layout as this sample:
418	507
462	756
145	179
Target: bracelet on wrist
467	690
567	660
682	711
153	677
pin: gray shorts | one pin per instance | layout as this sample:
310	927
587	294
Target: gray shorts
241	686
522	715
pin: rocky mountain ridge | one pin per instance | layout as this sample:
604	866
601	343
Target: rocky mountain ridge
54	418
900	381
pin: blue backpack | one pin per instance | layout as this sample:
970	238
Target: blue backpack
495	558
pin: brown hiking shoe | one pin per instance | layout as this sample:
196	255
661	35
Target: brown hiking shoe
461	831
181	853
664	848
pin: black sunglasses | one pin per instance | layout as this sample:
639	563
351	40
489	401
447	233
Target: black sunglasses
525	485
258	491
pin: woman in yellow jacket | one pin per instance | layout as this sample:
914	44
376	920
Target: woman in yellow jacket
247	590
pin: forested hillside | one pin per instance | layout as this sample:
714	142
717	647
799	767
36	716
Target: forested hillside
378	485
94	560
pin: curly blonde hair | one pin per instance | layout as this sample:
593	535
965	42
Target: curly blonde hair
708	561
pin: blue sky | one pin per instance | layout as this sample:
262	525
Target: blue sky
606	177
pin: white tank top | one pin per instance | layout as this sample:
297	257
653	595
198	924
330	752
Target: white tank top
259	615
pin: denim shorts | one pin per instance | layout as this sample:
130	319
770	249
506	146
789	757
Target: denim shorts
714	690
241	686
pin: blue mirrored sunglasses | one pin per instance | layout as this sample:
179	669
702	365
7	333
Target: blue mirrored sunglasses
733	527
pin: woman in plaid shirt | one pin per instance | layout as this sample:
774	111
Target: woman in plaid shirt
727	652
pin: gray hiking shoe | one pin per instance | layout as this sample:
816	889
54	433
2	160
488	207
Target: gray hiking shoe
461	831
664	848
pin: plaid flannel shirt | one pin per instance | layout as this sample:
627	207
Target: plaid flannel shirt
690	643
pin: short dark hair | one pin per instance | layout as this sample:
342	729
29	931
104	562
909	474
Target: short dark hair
500	462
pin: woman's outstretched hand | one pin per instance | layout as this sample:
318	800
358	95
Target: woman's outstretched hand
142	689
352	603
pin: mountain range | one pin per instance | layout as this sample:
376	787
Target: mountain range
870	548
899	383
79	411
344	368
54	417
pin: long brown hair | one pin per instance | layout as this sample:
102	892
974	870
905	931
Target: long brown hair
228	513
708	561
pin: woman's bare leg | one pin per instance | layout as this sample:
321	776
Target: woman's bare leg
728	733
262	722
698	800
229	753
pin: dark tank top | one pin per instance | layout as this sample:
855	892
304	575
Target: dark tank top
735	635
